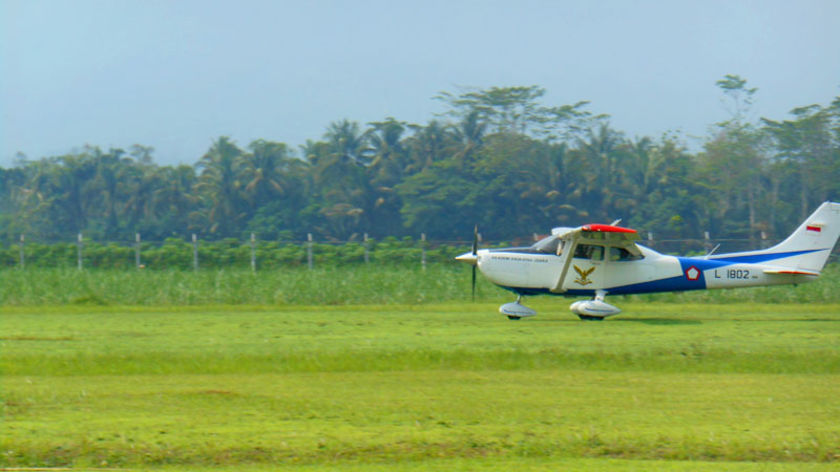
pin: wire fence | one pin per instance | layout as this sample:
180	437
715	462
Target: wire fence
257	254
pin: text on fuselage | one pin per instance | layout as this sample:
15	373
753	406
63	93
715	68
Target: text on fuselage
739	274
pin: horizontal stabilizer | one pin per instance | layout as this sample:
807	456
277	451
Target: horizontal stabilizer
792	272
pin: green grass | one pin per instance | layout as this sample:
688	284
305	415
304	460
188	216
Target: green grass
296	286
537	464
343	285
430	387
223	340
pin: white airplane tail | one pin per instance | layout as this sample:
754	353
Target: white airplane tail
807	249
813	239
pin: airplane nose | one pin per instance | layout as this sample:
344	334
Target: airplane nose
467	257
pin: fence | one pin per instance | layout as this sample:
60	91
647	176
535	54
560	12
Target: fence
267	255
196	254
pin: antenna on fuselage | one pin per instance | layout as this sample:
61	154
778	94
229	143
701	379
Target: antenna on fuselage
709	254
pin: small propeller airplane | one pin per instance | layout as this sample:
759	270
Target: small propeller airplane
598	259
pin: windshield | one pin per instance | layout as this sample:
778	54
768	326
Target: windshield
546	245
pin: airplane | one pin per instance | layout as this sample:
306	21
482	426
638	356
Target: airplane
599	259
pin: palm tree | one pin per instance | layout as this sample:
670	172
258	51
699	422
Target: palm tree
263	171
107	183
387	161
61	190
220	187
387	169
432	143
347	144
340	175
172	200
597	163
141	184
470	132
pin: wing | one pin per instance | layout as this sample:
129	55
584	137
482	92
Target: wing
612	234
603	234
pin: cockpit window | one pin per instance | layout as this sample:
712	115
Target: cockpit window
546	245
589	251
622	254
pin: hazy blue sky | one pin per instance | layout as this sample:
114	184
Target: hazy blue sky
177	74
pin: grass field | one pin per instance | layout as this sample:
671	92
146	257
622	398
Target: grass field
344	285
456	386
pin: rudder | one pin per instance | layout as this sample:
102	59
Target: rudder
811	244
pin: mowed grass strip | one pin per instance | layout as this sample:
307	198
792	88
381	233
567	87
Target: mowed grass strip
346	385
531	464
219	340
305	418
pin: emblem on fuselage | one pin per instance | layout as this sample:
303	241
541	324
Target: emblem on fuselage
584	275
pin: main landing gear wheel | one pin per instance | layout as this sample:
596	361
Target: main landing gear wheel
596	309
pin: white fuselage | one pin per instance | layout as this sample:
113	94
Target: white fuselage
526	272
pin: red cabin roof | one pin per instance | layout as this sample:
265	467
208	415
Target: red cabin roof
607	229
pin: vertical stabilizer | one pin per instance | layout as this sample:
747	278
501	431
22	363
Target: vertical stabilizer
811	244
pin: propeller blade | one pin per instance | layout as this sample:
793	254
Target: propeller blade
475	240
474	252
473	283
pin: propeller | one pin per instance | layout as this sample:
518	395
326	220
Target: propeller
475	254
471	258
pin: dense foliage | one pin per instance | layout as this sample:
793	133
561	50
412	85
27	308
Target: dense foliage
499	158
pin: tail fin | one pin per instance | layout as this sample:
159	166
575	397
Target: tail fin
805	251
811	244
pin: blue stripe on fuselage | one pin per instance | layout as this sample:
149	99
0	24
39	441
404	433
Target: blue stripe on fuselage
761	257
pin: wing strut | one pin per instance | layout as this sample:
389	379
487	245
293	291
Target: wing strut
569	246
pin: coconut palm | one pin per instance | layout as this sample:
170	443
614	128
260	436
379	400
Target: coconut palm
220	188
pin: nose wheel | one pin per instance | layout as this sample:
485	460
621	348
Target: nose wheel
516	310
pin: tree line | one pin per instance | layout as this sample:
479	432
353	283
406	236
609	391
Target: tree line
498	157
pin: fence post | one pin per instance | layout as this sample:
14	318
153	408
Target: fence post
309	250
253	252
195	251
22	255
367	250
423	250
137	250
650	238
79	251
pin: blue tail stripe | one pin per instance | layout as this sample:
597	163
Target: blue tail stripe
761	257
